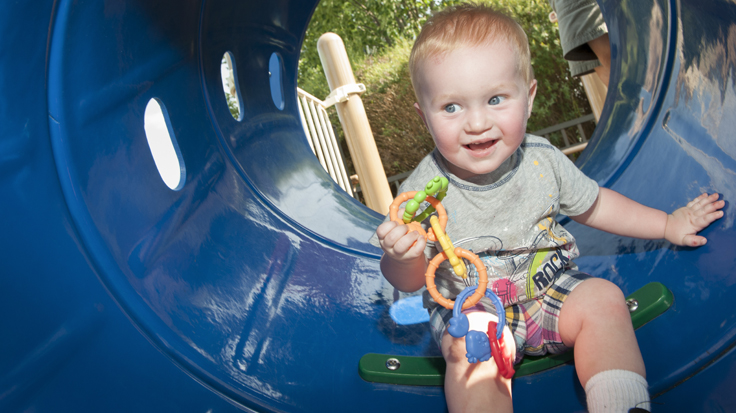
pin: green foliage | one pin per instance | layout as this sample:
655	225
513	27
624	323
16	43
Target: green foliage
387	68
367	27
228	83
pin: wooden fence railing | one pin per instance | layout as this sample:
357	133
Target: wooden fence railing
321	138
571	146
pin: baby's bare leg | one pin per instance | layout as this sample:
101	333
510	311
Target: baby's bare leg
475	387
595	321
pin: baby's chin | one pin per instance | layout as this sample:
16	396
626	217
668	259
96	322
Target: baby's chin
467	174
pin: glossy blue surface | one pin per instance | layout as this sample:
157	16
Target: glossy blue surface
253	286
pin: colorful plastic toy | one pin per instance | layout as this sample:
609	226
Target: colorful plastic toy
393	210
501	354
482	346
437	234
482	278
457	265
438	185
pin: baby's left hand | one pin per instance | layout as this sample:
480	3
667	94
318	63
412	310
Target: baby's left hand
683	224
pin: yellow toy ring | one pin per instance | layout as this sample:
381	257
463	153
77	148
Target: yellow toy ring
482	279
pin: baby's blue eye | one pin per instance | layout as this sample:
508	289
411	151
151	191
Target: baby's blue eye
496	100
452	108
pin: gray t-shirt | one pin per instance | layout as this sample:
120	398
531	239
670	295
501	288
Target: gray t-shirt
507	218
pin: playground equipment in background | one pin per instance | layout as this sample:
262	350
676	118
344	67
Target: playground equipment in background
321	138
358	134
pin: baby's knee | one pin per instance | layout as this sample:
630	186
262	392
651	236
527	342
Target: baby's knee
610	297
454	349
460	371
605	300
472	386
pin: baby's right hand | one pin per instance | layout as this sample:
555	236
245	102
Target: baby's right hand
398	243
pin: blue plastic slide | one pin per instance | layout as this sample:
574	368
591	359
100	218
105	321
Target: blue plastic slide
251	284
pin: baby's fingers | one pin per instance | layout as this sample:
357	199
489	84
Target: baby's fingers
707	218
709	207
707	210
393	233
705	201
417	246
697	200
384	229
693	240
404	244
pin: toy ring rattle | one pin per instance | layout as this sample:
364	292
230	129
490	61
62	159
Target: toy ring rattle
393	211
481	346
438	185
482	278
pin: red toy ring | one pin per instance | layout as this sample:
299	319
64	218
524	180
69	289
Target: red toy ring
500	353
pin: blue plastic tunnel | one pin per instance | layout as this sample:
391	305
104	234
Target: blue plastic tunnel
251	285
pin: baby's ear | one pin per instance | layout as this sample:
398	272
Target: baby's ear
421	114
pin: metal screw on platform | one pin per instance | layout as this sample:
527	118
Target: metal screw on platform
393	364
632	304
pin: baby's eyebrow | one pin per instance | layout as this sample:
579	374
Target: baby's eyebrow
505	86
444	100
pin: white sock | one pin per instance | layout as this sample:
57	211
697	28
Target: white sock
616	391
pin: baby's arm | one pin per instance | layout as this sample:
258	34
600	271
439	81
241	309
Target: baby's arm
403	262
617	214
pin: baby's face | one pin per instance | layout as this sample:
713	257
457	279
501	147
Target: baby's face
475	103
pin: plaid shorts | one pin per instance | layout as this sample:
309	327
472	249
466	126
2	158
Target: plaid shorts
533	322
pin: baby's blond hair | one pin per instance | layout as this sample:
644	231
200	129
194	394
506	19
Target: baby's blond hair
469	25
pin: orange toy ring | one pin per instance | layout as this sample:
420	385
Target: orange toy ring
482	279
393	211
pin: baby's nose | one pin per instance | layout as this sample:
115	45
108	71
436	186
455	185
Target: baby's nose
478	121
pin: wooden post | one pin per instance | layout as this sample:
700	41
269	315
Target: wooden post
596	91
358	134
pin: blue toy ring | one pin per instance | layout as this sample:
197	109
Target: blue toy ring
460	320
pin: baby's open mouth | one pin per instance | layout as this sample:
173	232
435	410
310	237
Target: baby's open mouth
478	146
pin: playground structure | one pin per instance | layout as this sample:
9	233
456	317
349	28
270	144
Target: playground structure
251	286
